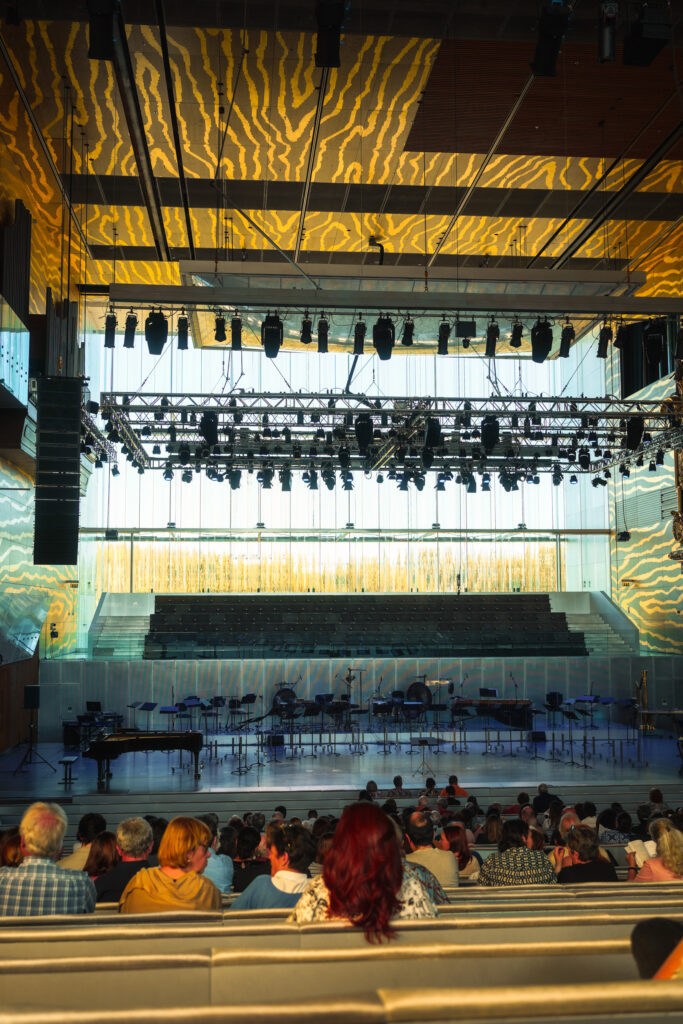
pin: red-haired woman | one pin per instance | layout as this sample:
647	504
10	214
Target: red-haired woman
453	838
364	880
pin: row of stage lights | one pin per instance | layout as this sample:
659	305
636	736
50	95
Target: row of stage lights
383	334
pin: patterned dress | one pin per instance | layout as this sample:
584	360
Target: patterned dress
518	866
414	898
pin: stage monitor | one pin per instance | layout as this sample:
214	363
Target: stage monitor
488	691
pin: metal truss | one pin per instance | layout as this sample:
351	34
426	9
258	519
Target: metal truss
329	431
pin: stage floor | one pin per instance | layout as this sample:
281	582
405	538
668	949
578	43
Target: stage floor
501	762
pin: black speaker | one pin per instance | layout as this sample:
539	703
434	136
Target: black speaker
31	698
276	739
58	469
537	736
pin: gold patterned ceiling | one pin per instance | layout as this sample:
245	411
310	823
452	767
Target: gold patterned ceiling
227	143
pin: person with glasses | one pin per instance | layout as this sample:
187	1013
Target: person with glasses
177	884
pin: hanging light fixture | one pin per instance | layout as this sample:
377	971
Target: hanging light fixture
236	331
110	328
323	331
129	329
443	336
408	333
306	329
219	328
182	331
359	338
492	336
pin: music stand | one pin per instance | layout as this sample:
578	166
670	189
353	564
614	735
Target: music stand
572	717
133	707
425	743
148	707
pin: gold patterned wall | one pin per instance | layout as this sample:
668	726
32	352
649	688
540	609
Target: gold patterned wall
221	567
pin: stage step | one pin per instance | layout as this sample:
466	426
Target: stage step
118	636
601	640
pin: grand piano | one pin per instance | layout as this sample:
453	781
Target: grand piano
516	714
128	741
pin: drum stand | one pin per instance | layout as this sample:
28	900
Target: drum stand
425	768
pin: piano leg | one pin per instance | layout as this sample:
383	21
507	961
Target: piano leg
195	754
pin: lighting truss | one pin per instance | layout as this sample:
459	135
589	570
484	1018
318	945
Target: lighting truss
95	439
301	432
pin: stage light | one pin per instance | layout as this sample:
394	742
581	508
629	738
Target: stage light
348	482
624	470
490	432
182	332
285	479
383	336
114	470
659	458
109	329
608	475
359	338
419	482
465	342
306	334
541	340
156	332
344	457
168	473
408	333
271	335
492	336
471	484
236	332
573	479
156	450
364	430
444	335
653	466
187	476
219	328
584	458
313	480
129	329
208	428
604	338
323	331
622	336
234	478
440	483
516	337
558	476
432	438
265	477
607	32
566	340
486	482
634	432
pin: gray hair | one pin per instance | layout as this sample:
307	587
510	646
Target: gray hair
133	837
42	829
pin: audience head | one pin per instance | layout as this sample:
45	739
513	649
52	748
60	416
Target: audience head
324	844
643	811
420	830
42	830
363	870
423	801
453	780
493	827
606	819
390	806
281	810
656	796
583	841
568	819
669	844
453	838
158	826
211	822
103	854
514	833
312	814
526	813
227	841
248	839
624	823
371	789
258	820
398	782
542	788
652	941
523	798
536	839
294	842
10	848
430	784
321	826
364	797
134	838
185	844
90	826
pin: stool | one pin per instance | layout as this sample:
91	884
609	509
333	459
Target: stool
68	761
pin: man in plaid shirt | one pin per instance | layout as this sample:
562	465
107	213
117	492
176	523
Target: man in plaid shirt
38	885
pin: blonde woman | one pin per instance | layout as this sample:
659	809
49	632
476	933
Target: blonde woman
667	865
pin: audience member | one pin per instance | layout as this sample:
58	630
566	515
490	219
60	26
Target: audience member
516	863
583	862
364	880
543	799
102	855
398	792
588	814
177	884
290	851
653	941
247	866
522	800
667	865
89	826
134	842
454	839
158	829
10	848
607	828
324	844
371	789
39	886
656	801
642	829
441	863
492	829
220	868
457	790
280	812
430	792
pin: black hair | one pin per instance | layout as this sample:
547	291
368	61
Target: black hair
420	829
89	826
296	841
514	834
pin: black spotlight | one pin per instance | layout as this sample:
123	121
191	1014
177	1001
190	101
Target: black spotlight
208	428
604	339
444	335
306	330
383	336
465	342
286	479
634	432
541	341
156	332
490	432
182	332
607	31
359	338
622	336
329	15
219	328
129	329
584	458
364	429
566	340
236	332
272	334
323	331
234	478
408	331
492	336
516	337
109	329
551	30
432	432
